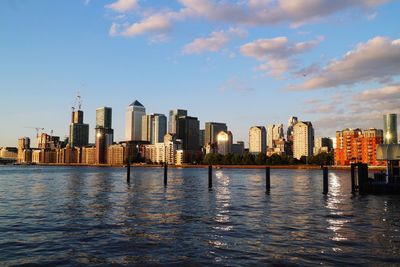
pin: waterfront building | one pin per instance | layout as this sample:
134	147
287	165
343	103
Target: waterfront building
154	127
323	144
303	139
188	131
257	139
390	129
224	142
44	156
355	145
274	133
211	131
280	147
104	134
9	153
133	121
173	119
78	131
24	151
89	155
115	155
172	145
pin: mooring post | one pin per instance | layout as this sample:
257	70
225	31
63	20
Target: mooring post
210	176
267	179
362	177
128	171
326	180
353	178
165	174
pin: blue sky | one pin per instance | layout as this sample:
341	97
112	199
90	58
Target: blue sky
255	62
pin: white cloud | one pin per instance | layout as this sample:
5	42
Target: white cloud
276	53
154	24
235	84
123	5
215	42
377	60
261	12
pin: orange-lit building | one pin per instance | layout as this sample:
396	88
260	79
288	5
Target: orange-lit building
355	145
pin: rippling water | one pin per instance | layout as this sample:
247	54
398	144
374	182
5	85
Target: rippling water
91	216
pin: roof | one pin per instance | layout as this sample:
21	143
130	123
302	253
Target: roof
136	103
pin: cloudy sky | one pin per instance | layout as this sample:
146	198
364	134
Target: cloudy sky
248	62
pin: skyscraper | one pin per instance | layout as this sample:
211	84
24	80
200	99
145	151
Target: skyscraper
211	131
303	139
188	131
274	133
154	127
390	128
104	134
78	131
133	121
173	119
224	142
257	139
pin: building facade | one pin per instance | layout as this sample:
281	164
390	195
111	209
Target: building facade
133	121
390	128
154	127
274	133
104	134
355	145
224	142
257	140
323	144
78	131
303	139
173	119
212	129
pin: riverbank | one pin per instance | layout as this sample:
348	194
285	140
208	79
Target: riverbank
288	167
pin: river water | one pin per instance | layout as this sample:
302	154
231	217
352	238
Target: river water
63	216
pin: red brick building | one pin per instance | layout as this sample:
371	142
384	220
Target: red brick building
355	145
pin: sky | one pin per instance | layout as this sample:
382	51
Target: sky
245	63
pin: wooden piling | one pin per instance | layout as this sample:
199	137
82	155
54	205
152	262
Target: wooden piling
209	176
267	179
353	178
128	171
165	174
362	177
326	180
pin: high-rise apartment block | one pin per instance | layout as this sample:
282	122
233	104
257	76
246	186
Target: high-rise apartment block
257	139
303	139
133	121
274	133
323	144
355	145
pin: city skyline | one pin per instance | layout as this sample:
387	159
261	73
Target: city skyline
218	67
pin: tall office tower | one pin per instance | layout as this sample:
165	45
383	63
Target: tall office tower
133	121
303	139
104	134
274	133
211	131
173	119
188	131
154	127
78	131
257	139
390	128
202	137
224	142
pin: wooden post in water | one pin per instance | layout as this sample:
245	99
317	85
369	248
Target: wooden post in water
362	177
267	179
353	178
326	180
165	174
209	176
128	171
